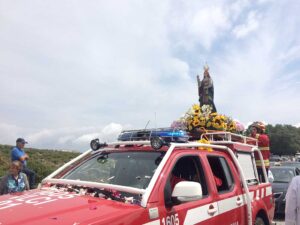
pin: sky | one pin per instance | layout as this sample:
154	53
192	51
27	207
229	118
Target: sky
71	71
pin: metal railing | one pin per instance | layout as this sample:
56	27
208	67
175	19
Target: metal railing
228	136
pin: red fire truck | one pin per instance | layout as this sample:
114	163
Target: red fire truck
151	182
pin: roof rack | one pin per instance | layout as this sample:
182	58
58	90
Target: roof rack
212	136
229	137
129	143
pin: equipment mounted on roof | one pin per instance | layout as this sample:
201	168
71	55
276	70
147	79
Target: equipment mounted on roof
167	134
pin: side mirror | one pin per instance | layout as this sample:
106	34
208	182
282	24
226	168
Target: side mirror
187	191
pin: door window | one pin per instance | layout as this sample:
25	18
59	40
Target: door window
187	168
222	174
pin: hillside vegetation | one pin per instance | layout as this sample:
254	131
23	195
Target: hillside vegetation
43	162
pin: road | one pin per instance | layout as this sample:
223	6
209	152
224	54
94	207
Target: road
279	220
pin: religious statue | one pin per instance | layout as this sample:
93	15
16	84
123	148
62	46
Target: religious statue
206	90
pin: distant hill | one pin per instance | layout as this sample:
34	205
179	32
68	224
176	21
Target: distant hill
43	162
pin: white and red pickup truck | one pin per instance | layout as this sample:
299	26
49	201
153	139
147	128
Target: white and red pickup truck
143	182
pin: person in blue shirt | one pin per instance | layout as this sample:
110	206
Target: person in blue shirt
15	180
18	153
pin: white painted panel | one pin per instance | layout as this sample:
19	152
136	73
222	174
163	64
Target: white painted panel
155	222
245	161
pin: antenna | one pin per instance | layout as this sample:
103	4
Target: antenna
147	124
155	120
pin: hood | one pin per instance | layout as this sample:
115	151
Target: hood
57	207
279	187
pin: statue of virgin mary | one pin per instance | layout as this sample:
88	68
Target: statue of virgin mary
206	89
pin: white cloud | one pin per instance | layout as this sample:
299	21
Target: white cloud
207	24
293	53
9	133
196	22
70	72
251	25
258	84
61	138
204	23
107	134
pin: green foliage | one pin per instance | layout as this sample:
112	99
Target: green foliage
284	139
43	162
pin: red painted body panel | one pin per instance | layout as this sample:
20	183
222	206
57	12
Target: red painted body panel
43	207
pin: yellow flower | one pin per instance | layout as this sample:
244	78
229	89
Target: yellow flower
202	121
232	126
196	123
204	141
213	114
218	122
196	107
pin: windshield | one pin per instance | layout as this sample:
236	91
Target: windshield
282	175
133	169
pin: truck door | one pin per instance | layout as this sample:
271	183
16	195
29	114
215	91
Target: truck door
230	200
202	211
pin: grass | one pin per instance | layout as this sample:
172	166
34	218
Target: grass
43	162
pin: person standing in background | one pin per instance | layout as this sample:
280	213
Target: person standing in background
292	206
18	153
257	130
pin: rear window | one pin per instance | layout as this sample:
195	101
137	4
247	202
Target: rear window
248	167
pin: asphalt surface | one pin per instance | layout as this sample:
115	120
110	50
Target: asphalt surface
279	220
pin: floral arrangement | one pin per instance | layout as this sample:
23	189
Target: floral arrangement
216	121
202	117
240	128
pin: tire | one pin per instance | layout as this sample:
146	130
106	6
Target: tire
95	144
259	221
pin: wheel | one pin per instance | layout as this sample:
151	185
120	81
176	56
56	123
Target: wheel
259	221
95	144
156	143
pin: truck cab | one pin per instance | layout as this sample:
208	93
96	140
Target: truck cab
151	182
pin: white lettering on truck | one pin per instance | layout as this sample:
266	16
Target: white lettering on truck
40	198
